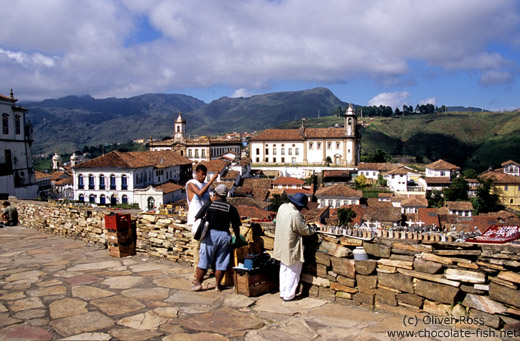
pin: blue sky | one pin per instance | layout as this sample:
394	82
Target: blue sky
390	52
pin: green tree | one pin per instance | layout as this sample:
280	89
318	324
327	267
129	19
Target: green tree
434	198
328	161
277	200
470	173
345	216
361	181
487	198
457	190
381	180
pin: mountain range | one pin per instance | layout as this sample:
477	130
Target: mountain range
468	136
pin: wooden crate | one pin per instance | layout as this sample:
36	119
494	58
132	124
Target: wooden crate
253	284
118	221
119	236
121	250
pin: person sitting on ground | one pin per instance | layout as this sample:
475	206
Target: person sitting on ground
9	215
215	247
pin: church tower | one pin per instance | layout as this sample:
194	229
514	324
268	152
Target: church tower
74	159
352	145
179	136
56	162
179	129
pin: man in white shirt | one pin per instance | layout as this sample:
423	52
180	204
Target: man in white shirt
288	243
197	194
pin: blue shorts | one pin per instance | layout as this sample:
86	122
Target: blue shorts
214	249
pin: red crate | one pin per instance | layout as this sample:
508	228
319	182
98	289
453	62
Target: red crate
118	221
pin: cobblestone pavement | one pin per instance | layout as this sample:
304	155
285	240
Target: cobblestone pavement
55	288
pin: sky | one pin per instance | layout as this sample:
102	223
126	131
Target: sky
378	52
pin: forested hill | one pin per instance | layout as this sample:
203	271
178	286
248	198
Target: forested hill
71	122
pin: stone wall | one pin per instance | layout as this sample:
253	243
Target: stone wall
478	281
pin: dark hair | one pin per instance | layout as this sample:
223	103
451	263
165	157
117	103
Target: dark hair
6	203
201	167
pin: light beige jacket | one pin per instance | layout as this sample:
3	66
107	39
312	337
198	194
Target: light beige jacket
290	227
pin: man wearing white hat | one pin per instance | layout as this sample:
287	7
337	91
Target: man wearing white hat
288	243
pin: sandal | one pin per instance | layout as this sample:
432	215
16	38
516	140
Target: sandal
196	287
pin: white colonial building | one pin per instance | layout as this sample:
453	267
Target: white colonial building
309	146
197	149
16	171
120	177
338	195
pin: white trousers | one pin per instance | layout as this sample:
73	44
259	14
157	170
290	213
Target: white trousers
289	278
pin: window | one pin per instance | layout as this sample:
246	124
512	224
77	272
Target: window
257	159
274	160
189	153
17	124
257	151
274	150
81	198
5	124
310	145
337	145
266	159
113	200
318	145
506	188
283	160
125	199
124	182
329	145
80	181
282	151
203	153
112	181
92	199
91	181
196	153
296	151
101	181
102	199
290	151
266	151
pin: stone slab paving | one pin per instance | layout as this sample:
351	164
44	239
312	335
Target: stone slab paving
55	288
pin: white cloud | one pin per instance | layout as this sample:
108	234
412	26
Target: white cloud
246	45
431	100
391	99
241	93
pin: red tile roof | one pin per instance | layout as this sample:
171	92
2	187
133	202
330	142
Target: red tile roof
434	180
383	167
169	187
399	171
503	164
264	183
375	202
442	165
215	165
501	178
286	180
382	214
429	216
338	190
459	205
115	159
336	173
40	175
414	201
254	212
